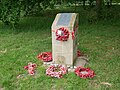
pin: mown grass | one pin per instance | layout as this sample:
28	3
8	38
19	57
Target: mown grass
100	41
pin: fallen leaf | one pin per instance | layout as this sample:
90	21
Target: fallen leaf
4	51
106	83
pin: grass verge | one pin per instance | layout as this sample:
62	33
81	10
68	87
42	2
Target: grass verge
100	41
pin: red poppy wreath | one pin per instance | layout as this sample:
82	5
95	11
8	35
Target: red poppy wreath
31	68
56	71
62	34
45	56
84	72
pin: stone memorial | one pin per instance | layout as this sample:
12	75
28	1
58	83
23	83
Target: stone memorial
64	38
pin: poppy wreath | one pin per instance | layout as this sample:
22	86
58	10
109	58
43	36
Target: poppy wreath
31	68
62	34
78	53
45	56
84	72
73	35
56	71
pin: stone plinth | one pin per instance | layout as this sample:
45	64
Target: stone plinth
65	52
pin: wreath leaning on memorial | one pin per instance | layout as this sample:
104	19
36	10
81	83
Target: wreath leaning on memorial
56	71
47	56
62	34
84	72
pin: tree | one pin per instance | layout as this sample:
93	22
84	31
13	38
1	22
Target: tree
90	2
10	10
98	8
109	2
98	4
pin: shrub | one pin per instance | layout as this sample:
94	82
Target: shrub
10	11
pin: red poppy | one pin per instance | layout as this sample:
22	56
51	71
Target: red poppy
84	72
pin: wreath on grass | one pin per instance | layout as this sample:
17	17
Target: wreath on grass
56	71
84	72
30	68
62	34
45	56
79	53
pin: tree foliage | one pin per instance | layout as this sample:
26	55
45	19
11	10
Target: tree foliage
10	10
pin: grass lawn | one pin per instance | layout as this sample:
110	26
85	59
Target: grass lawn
18	47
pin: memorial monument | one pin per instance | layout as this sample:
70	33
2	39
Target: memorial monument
64	38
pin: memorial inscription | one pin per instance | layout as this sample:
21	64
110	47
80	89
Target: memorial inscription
64	19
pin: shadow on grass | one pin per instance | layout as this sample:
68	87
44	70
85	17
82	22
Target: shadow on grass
29	24
34	24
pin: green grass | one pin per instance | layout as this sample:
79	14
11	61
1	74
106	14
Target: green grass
100	41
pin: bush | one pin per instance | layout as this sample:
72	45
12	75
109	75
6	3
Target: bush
10	11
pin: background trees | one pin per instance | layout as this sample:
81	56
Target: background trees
12	10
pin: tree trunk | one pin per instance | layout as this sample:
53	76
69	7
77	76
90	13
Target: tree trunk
75	5
83	3
90	3
98	8
110	2
98	4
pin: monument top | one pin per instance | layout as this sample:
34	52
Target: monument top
64	19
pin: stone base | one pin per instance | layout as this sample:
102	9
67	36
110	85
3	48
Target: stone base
81	61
